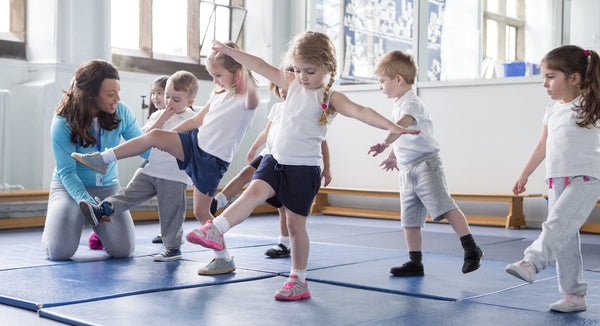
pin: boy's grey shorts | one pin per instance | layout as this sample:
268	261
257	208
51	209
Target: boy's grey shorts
423	190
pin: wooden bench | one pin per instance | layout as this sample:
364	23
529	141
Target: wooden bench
41	195
515	218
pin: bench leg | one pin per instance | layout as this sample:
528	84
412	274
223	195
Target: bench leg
321	200
515	218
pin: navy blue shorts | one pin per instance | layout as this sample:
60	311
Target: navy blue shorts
256	161
295	185
206	170
271	201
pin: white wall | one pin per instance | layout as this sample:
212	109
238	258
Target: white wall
486	129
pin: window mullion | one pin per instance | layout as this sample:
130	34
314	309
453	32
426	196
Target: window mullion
145	41
193	30
17	18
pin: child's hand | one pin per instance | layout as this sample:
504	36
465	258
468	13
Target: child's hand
105	219
218	46
377	149
389	164
326	176
520	186
251	154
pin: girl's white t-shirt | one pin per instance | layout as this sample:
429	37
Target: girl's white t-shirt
408	148
570	150
224	125
298	138
160	163
274	116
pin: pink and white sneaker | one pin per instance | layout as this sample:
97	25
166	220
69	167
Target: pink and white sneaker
569	303
207	236
293	289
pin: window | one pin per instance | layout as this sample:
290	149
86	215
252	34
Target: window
12	29
504	30
162	36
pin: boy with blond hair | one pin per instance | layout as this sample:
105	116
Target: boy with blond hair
160	176
422	181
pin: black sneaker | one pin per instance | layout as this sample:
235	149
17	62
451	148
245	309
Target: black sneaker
157	239
472	260
213	207
93	213
409	268
279	251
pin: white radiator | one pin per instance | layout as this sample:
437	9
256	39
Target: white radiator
4	100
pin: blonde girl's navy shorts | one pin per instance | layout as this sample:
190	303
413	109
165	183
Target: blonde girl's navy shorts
204	169
295	185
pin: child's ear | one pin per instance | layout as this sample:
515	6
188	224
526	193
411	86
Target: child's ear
575	79
190	102
399	79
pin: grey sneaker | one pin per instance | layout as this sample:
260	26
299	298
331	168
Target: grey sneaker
168	255
92	160
93	213
218	266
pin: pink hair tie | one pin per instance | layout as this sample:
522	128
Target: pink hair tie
586	53
324	106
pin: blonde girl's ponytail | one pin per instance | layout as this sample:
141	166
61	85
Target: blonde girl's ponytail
327	111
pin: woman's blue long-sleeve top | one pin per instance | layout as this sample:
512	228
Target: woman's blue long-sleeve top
74	176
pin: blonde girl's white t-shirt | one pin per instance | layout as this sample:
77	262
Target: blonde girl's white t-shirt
274	116
224	125
408	148
160	163
298	138
570	150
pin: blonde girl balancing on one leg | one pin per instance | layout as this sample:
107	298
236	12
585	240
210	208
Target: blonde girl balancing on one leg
203	144
570	144
291	172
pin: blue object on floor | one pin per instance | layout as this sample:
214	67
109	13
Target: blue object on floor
443	278
17	316
32	288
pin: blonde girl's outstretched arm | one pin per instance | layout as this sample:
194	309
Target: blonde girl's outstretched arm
256	64
535	159
192	122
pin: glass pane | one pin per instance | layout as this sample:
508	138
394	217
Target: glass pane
491	42
124	25
207	27
5	16
238	16
460	52
511	43
492	6
511	8
372	29
222	28
584	27
169	34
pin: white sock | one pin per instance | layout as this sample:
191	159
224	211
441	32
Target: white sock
301	273
221	200
284	241
108	156
222	224
223	254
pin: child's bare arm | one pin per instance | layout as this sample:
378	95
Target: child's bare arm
193	122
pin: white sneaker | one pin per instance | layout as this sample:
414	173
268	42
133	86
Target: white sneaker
569	303
522	269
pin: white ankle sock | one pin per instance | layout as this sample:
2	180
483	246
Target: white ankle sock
222	224
223	254
108	156
301	273
221	200
284	241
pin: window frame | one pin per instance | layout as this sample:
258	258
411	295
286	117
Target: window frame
12	44
145	60
504	21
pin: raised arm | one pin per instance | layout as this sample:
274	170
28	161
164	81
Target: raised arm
193	122
256	64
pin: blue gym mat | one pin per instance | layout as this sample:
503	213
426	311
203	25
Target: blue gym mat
542	293
240	304
62	284
17	316
443	278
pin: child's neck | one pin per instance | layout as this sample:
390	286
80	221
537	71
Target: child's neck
402	91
